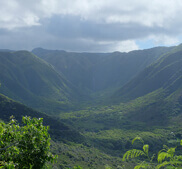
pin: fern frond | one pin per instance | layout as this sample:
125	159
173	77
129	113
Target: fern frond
178	157
162	165
171	163
161	151
162	156
146	148
143	165
133	154
137	138
152	158
171	151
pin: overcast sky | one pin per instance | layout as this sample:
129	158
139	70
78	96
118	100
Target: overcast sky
90	25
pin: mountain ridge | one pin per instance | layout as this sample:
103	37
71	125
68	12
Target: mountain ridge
32	81
100	71
164	73
148	102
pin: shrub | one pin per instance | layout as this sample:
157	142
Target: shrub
26	146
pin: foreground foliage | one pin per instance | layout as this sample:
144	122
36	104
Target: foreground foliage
166	157
26	146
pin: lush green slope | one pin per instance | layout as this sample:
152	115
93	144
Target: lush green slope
111	128
152	109
76	67
153	116
71	147
97	72
165	74
58	130
119	68
32	81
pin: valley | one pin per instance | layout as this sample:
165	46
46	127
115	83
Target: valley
96	103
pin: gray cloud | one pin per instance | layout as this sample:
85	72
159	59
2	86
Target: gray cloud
74	27
78	25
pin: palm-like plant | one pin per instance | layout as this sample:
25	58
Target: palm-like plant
166	157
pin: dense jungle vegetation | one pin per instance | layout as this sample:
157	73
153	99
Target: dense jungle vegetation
95	105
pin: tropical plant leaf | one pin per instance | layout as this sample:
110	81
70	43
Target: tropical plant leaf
133	154
152	158
162	156
172	163
171	151
137	138
143	165
146	148
178	157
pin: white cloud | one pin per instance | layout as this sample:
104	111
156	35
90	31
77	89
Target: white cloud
13	14
125	46
103	24
149	13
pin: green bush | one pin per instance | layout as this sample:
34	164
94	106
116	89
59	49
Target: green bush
24	146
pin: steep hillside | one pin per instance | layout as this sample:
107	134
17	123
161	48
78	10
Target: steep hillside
165	74
58	130
32	81
96	72
77	67
150	106
119	68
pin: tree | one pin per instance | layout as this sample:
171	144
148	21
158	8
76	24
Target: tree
25	146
